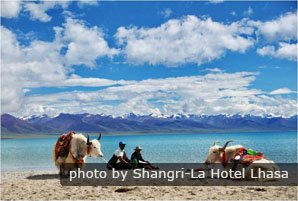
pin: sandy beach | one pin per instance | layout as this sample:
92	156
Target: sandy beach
45	185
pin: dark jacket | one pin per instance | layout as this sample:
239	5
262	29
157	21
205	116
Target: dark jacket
118	166
137	156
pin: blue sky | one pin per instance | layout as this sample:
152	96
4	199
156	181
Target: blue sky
107	55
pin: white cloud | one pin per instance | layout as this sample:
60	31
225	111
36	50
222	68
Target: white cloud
85	44
283	28
176	42
166	13
10	9
22	67
214	93
187	40
38	11
281	91
284	51
42	64
287	51
280	36
76	80
214	70
267	50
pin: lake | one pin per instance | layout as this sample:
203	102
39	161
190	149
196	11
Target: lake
36	154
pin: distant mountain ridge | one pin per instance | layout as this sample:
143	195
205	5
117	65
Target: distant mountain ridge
133	123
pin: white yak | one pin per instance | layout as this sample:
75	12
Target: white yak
223	156
80	148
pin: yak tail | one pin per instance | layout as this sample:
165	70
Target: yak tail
57	164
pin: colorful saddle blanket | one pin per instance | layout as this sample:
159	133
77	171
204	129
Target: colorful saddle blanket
62	146
247	156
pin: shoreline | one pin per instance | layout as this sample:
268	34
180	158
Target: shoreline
45	185
30	136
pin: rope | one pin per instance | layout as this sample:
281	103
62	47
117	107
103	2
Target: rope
107	162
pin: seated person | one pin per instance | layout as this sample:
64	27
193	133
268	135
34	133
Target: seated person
119	160
138	161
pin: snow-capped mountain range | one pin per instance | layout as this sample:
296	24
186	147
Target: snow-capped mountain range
132	123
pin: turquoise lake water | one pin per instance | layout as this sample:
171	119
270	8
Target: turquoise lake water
36	154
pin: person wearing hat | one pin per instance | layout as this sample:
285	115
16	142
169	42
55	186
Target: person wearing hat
119	159
138	161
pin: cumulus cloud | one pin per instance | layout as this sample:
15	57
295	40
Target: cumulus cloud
177	42
284	28
267	50
213	93
10	9
284	51
279	36
180	41
22	67
38	9
85	44
42	64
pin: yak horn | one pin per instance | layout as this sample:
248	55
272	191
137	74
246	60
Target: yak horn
88	140
215	143
225	146
99	136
